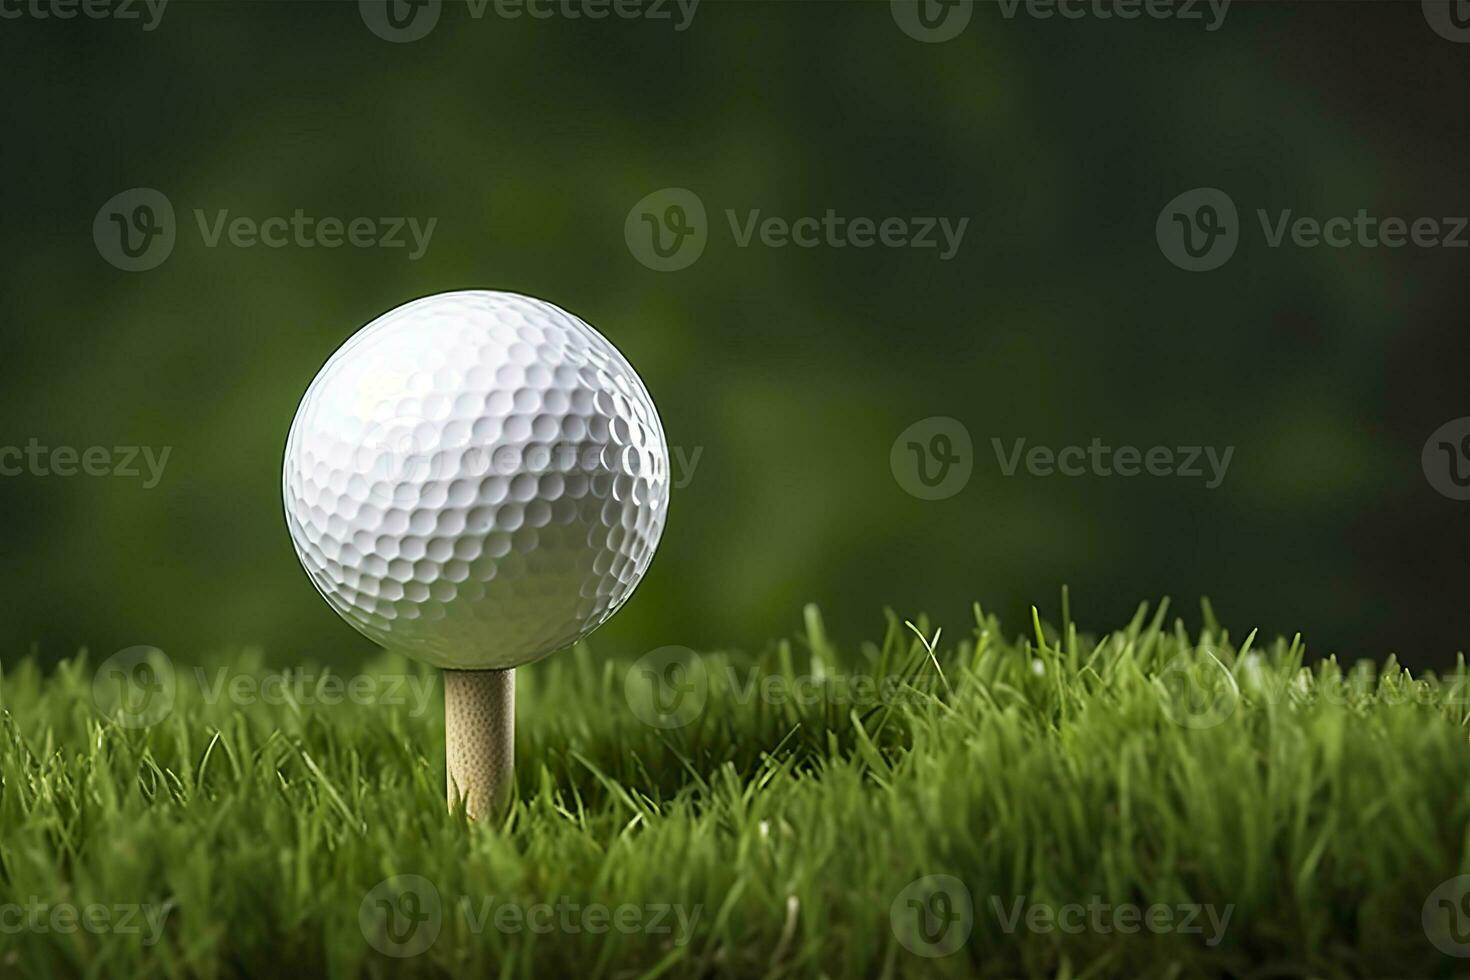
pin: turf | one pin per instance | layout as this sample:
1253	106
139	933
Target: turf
786	822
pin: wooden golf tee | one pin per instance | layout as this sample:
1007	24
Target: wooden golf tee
479	738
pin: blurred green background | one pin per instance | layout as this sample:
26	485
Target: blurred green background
793	370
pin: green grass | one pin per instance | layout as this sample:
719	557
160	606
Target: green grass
1321	805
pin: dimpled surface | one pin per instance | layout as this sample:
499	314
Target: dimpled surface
476	479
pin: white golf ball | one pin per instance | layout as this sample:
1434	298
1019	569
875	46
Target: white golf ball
476	479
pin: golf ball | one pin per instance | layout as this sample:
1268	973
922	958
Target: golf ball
476	479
